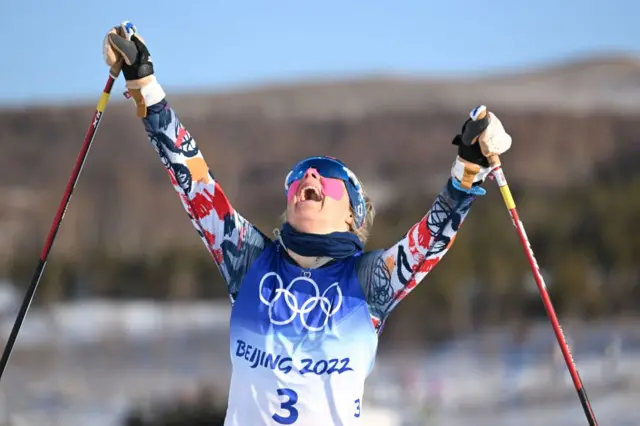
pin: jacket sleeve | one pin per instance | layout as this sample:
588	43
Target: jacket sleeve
231	240
387	276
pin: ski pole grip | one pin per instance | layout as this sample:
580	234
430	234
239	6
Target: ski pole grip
115	69
480	113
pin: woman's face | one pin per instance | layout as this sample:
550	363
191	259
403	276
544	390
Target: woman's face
318	205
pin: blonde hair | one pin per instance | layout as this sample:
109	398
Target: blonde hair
365	229
370	215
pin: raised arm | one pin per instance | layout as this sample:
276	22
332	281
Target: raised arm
387	276
232	241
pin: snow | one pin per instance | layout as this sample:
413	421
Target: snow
95	320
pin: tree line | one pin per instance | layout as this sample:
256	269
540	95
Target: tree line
584	237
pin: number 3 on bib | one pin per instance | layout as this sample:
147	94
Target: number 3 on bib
289	399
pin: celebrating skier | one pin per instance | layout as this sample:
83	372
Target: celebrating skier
308	305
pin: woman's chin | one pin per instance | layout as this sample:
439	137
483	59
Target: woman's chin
304	212
308	223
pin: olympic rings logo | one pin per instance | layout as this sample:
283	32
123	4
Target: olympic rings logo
292	306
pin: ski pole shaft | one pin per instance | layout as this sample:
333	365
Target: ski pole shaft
501	180
55	226
546	300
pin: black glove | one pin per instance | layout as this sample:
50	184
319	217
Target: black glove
124	49
136	58
467	150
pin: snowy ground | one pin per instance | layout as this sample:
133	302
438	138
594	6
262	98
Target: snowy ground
86	363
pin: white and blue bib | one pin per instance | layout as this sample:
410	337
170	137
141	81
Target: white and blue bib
302	345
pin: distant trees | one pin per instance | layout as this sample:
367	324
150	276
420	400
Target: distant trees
202	409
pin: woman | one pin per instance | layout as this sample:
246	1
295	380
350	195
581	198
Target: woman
309	305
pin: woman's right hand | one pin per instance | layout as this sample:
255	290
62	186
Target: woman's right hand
123	47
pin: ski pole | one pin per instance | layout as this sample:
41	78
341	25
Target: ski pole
498	174
62	208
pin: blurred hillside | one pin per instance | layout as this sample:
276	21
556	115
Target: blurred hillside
574	126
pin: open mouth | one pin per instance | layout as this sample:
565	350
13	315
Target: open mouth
310	193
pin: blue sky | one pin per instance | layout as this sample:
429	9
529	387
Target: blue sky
52	48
